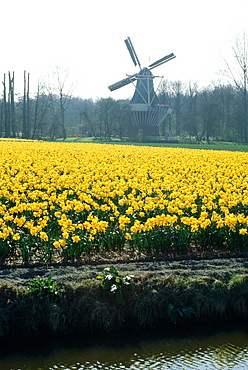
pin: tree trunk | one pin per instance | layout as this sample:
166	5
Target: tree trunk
24	116
28	111
6	113
245	102
12	105
62	114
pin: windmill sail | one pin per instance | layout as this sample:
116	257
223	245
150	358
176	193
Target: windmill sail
123	82
132	52
162	60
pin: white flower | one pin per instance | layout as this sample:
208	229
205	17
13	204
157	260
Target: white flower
126	279
113	288
109	277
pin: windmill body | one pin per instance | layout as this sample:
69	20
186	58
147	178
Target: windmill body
148	114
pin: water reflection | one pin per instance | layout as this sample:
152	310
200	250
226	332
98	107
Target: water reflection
227	350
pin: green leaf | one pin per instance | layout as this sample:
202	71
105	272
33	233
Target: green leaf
188	311
180	312
172	312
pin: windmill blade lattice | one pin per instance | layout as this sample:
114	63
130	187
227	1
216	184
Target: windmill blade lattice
132	52
162	60
123	82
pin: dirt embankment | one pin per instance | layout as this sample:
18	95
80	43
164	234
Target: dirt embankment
159	296
215	267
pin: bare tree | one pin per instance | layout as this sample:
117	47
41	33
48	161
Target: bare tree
88	116
178	92
107	113
26	108
40	110
191	112
59	100
124	118
239	76
210	113
2	118
12	104
6	110
165	96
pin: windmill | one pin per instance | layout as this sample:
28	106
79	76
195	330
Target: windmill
148	114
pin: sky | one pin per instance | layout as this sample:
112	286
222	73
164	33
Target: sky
85	38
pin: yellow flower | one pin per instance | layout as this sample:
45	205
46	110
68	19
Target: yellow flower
128	236
8	217
194	228
62	242
243	231
129	211
56	244
76	238
33	230
16	236
44	236
20	221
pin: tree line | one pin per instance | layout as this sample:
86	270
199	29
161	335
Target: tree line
53	112
218	111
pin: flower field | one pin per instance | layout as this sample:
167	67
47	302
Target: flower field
68	199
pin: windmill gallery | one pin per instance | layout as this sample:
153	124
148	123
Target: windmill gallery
148	114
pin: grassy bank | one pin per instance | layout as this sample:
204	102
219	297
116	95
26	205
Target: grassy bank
86	305
212	145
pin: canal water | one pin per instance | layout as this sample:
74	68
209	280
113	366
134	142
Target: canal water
225	349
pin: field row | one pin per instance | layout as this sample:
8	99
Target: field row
69	198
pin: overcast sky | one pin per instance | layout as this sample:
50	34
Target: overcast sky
87	38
